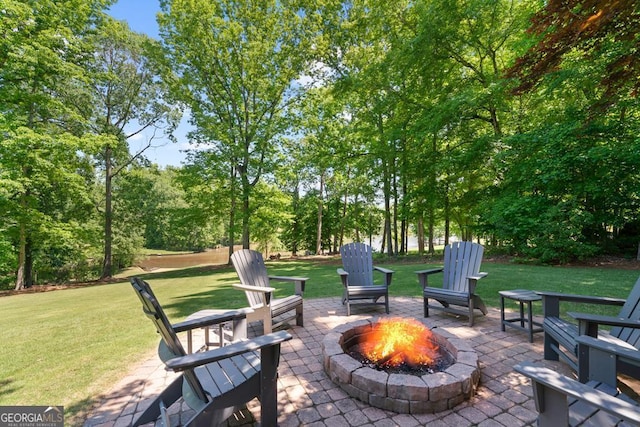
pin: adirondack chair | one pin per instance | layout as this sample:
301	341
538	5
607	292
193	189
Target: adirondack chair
562	401
560	334
461	274
357	277
213	383
255	281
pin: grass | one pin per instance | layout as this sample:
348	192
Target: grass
67	347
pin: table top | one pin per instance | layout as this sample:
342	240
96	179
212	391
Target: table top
520	295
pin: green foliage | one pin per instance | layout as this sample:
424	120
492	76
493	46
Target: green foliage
368	117
8	261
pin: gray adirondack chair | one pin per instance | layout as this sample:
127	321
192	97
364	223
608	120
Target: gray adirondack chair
562	401
461	274
255	282
560	335
357	277
215	382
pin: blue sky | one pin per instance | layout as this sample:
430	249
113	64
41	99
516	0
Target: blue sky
140	14
141	17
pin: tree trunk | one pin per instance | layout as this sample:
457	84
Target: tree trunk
394	189
108	216
28	264
232	214
319	225
245	215
446	219
344	213
432	248
22	255
420	227
295	226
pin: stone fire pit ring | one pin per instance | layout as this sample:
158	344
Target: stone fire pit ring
399	392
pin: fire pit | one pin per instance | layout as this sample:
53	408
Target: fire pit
400	365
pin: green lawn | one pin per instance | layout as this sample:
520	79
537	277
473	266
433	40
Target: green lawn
67	347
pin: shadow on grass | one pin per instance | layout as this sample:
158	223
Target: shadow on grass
7	387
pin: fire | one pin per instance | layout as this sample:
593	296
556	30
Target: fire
396	341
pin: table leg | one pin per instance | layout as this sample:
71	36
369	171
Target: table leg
521	314
501	313
530	322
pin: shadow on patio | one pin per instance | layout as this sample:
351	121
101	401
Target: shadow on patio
308	397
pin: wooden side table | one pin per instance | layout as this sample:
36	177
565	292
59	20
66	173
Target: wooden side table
522	297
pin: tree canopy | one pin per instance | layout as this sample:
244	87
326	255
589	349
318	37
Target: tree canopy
510	122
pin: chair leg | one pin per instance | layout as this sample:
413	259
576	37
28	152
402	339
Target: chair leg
426	307
168	396
269	358
386	302
549	351
299	315
471	313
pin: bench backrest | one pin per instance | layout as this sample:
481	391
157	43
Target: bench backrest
357	260
461	260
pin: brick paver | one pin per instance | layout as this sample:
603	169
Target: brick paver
307	397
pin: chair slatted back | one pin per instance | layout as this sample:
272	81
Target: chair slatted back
461	259
252	271
630	310
170	346
357	260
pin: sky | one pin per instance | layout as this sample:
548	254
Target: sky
141	17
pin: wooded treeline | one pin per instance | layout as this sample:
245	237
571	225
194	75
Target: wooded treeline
316	122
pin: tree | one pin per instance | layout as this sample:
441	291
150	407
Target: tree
238	64
567	186
592	29
128	98
41	73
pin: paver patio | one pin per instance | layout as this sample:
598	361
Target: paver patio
307	397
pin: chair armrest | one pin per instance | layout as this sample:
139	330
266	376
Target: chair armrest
214	319
288	278
473	281
605	320
300	282
383	270
388	274
610	347
478	276
544	379
191	361
430	271
588	323
423	276
551	301
344	276
599	359
589	299
251	288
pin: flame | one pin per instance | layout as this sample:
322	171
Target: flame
394	341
